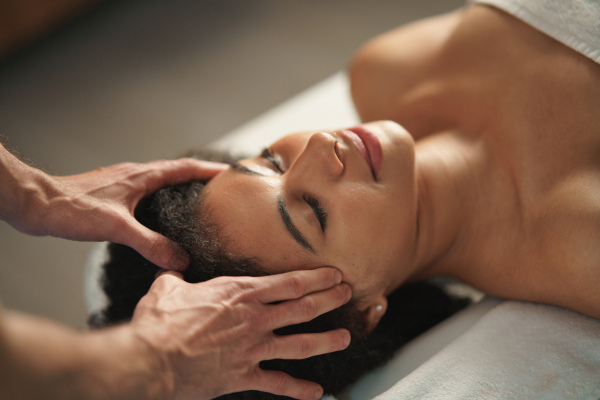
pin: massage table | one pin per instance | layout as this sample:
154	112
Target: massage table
493	349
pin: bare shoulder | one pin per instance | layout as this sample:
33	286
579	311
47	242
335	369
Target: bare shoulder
393	63
569	243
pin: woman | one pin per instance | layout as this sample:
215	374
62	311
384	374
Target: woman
489	172
501	189
179	213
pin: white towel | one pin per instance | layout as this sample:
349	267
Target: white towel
516	351
575	23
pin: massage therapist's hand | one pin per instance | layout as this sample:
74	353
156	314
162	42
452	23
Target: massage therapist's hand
211	336
96	205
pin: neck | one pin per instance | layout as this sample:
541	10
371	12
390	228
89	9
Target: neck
448	198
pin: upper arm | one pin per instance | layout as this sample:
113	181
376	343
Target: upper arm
392	65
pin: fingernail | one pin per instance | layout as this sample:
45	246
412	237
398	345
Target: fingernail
318	394
338	277
348	293
347	339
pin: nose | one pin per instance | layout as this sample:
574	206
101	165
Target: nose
319	158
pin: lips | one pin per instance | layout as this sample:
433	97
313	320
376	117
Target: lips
368	146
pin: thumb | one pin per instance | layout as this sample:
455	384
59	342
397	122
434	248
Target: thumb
155	247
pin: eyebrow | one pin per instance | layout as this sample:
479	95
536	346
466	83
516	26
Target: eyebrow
285	215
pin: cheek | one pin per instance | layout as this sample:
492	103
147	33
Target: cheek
363	212
365	227
375	234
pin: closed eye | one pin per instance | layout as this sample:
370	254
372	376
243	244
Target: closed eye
268	155
313	202
318	210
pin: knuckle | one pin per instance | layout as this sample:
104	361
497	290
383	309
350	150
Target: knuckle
120	168
253	322
307	346
297	286
239	289
281	383
234	290
159	170
185	162
166	164
309	307
263	351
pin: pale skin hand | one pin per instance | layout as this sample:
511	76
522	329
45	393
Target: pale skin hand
96	205
186	341
211	338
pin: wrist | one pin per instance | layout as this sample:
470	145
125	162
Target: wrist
41	359
125	366
155	357
22	193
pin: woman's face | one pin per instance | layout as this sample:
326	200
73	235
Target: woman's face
325	199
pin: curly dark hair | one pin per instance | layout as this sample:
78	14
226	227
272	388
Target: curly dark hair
176	212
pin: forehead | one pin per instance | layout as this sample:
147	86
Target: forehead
245	209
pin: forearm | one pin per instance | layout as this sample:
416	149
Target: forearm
40	359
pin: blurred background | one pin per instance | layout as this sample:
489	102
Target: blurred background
89	83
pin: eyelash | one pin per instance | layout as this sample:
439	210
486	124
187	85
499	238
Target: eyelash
316	206
313	202
268	155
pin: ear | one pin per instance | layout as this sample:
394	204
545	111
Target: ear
376	307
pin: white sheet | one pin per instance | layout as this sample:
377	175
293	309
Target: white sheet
575	23
516	351
419	350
